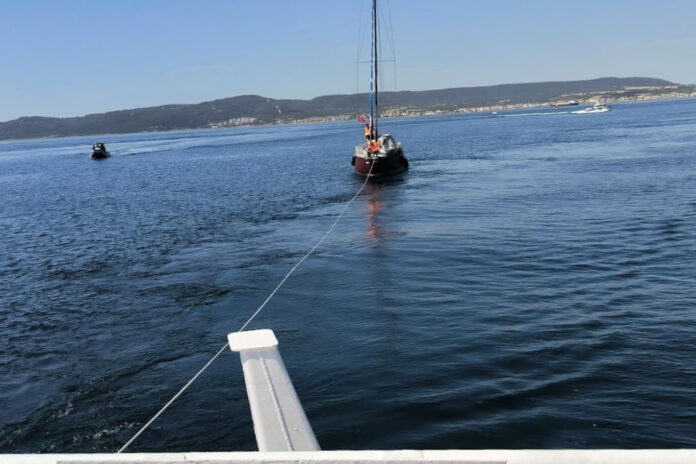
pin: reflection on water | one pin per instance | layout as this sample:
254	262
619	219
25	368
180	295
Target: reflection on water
382	192
374	206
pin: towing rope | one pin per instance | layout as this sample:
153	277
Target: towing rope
253	316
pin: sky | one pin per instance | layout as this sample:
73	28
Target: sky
75	57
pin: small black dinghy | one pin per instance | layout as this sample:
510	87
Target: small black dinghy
99	151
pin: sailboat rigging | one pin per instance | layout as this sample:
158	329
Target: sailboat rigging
381	154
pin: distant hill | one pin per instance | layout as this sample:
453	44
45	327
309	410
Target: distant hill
254	109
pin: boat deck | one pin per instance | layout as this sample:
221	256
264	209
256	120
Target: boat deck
361	457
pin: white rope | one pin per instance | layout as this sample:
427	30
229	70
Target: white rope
256	313
338	218
178	394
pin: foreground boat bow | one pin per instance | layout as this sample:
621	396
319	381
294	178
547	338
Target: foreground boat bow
284	434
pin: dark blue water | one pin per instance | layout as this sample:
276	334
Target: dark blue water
528	284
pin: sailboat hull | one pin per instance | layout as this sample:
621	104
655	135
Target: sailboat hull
394	162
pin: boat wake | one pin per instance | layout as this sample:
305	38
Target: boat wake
548	113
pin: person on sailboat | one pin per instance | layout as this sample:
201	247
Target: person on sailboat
368	132
370	139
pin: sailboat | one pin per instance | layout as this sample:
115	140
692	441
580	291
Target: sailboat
380	154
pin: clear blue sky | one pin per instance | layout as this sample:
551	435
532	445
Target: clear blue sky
73	57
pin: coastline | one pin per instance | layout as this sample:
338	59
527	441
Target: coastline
397	113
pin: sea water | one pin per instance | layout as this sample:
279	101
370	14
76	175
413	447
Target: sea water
529	283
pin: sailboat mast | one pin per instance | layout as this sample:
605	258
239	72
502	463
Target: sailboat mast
375	61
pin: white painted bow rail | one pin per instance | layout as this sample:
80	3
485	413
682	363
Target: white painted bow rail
280	423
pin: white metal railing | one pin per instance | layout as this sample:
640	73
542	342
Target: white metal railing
652	456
